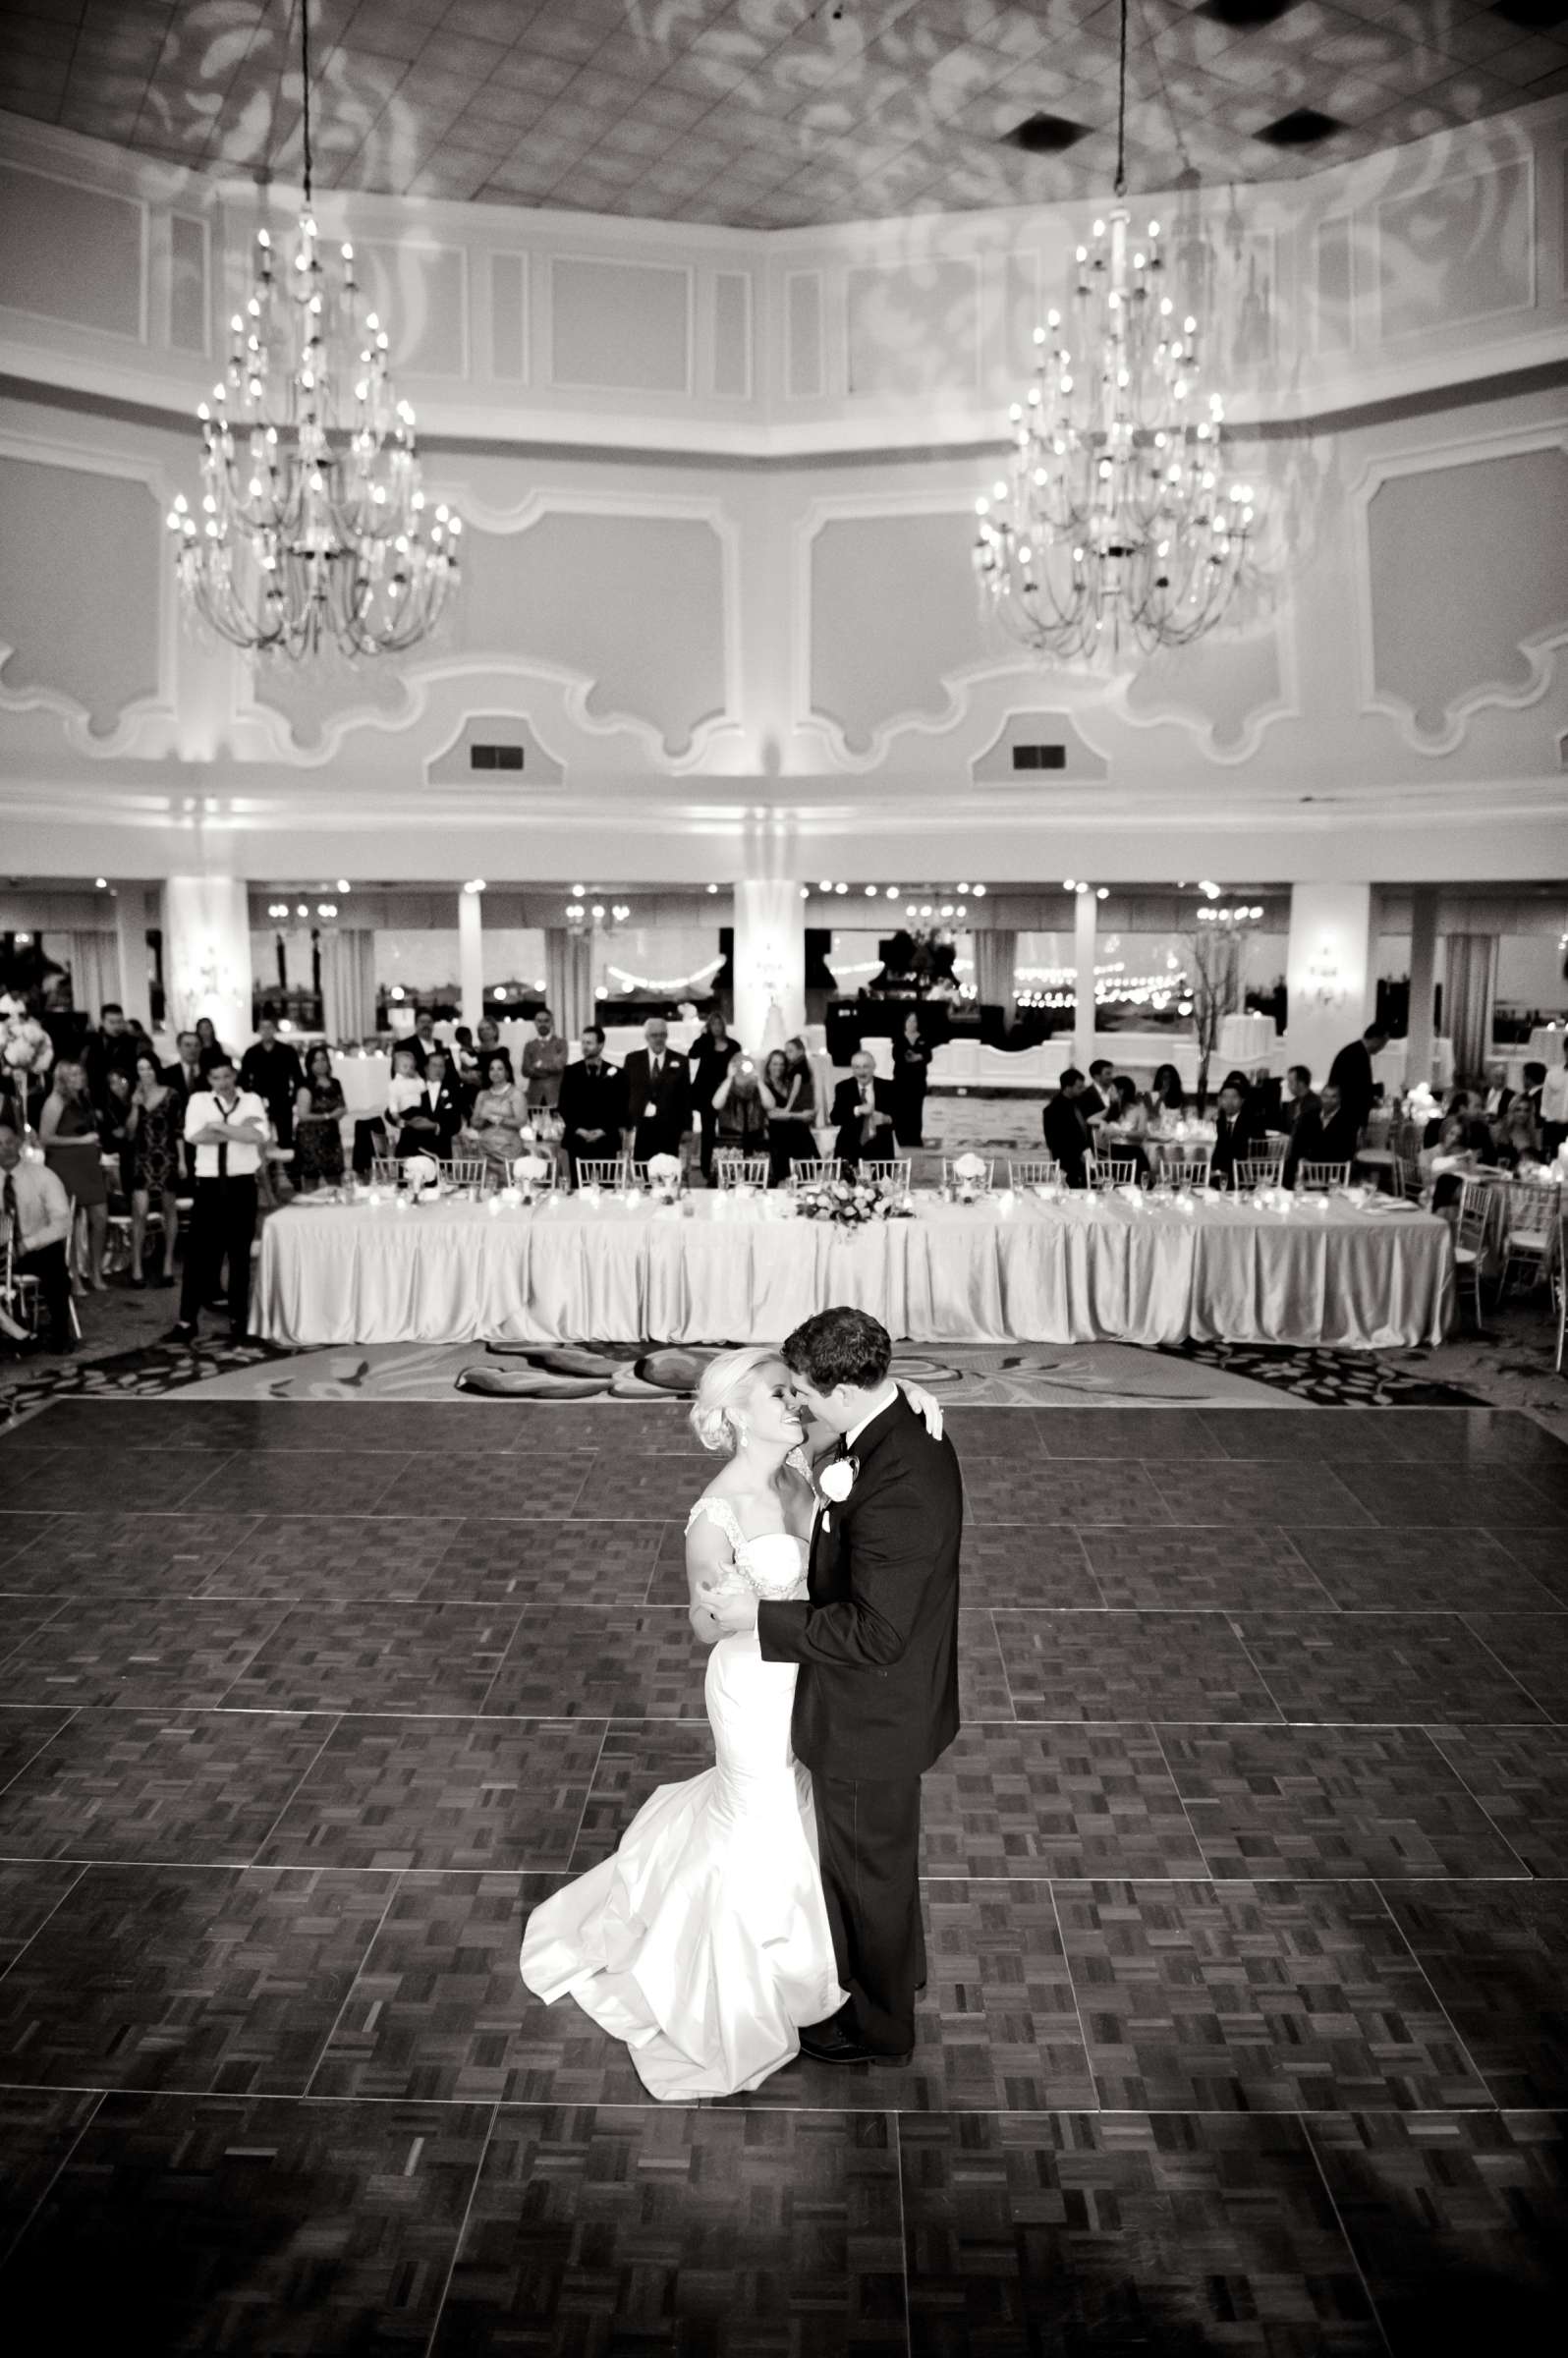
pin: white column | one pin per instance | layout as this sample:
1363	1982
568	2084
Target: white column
769	961
207	955
1329	983
130	941
1422	983
1085	913
470	956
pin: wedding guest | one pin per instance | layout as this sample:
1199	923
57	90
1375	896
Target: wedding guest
271	1070
592	1106
708	1059
911	1064
211	1051
114	1115
1351	1073
155	1124
1499	1095
741	1109
228	1127
1236	1132
790	1094
1095	1097
1328	1136
495	1125
68	1128
1301	1100
1167	1095
658	1095
862	1112
797	1057
112	1048
422	1039
1125	1128
1448	1162
544	1061
318	1109
1518	1136
463	1056
36	1214
186	1074
1068	1138
428	1123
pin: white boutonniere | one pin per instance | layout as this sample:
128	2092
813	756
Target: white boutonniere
834	1484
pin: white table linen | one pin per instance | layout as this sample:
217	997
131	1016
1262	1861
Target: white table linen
737	1271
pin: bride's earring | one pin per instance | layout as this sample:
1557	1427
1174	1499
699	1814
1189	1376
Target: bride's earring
742	1431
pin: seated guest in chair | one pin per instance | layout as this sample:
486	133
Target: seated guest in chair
1327	1136
1167	1095
1236	1132
1096	1097
35	1216
658	1095
428	1123
593	1104
1068	1138
862	1113
1301	1101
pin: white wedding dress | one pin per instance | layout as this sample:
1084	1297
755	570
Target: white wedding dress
704	1942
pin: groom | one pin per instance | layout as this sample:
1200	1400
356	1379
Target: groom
877	1641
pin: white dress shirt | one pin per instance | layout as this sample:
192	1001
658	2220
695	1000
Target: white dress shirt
43	1208
203	1109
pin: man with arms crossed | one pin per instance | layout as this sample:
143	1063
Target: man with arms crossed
877	1641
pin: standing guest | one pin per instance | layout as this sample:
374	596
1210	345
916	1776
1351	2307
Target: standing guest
544	1061
741	1109
154	1123
1352	1075
1167	1095
36	1214
271	1070
799	1061
592	1106
862	1112
463	1057
112	1048
318	1110
1236	1132
708	1059
211	1051
228	1127
186	1074
404	1088
658	1095
114	1117
430	1122
68	1128
790	1094
1548	1088
911	1064
1068	1138
423	1038
495	1125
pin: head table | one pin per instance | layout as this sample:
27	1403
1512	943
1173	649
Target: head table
721	1268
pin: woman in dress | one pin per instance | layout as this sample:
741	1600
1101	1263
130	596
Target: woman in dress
318	1109
703	1941
68	1128
155	1125
790	1096
912	1060
1167	1095
740	1109
495	1125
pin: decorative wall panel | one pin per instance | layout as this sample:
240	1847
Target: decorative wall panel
622	328
1333	286
1465	593
508	317
804	373
188	283
81	589
892	616
72	254
422	290
996	766
913	329
732	335
455	766
1225	687
1461	248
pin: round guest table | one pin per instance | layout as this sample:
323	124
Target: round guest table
722	1268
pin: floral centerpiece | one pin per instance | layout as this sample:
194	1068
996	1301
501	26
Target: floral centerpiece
25	1048
529	1171
422	1176
970	1178
664	1177
849	1204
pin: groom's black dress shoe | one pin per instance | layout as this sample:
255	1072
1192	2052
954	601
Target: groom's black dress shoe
838	2042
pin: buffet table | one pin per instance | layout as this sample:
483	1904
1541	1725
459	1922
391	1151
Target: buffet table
721	1268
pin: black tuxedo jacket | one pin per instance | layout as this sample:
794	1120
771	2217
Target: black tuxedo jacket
593	1100
660	1133
876	1639
1066	1135
849	1146
1234	1139
447	1114
1352	1075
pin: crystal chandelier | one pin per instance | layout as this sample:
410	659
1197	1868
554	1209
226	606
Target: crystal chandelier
1114	525
312	524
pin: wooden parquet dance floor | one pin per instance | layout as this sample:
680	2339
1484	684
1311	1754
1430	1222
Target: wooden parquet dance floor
1246	1886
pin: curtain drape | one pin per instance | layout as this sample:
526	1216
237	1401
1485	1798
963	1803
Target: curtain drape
348	985
94	963
569	979
1470	986
996	967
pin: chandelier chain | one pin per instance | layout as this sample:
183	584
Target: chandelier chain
1121	109
305	84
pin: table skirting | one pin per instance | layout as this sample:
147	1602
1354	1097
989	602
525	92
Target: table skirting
722	1270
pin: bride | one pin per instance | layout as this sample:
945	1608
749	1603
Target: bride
704	1942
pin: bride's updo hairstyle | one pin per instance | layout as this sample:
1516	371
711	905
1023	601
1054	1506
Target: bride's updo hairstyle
715	1415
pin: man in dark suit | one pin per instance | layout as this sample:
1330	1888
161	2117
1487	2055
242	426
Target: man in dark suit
1236	1132
1068	1137
1095	1099
658	1095
876	1697
430	1123
862	1113
1327	1136
1351	1074
592	1106
270	1067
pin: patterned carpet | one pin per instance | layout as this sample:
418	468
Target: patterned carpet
1247	1888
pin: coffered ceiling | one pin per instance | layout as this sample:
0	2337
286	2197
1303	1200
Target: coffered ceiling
767	114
